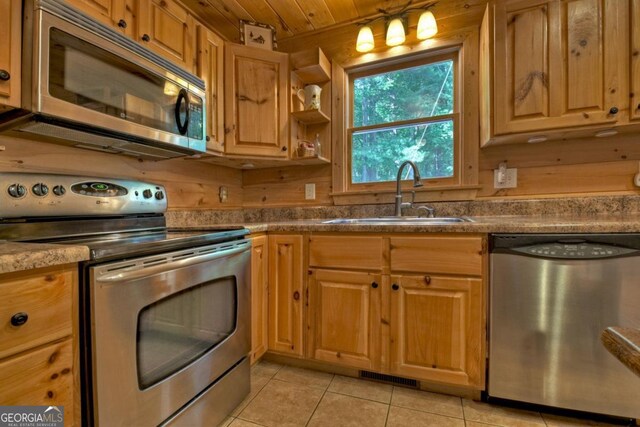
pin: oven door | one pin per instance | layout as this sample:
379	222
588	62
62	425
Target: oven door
164	328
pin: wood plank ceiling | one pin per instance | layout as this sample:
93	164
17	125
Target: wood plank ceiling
295	18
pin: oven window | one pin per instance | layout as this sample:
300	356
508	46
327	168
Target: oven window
90	77
177	330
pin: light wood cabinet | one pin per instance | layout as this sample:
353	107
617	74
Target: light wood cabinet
634	108
417	312
210	63
259	297
10	51
436	329
119	14
167	28
286	299
345	318
256	105
553	65
38	343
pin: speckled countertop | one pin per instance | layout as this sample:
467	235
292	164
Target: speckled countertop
27	256
487	224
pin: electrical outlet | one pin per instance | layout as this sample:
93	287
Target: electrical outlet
223	194
310	191
510	178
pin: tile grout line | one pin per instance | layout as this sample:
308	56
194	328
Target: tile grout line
319	401
386	421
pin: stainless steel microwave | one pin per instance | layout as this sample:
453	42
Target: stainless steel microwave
87	85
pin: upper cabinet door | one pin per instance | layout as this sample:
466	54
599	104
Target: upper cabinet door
210	69
10	48
105	11
167	29
256	104
558	64
635	60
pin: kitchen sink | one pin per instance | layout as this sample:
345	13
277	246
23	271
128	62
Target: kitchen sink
404	220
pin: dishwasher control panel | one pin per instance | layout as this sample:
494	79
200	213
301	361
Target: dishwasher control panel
574	250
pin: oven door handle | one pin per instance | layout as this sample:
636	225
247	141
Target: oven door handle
140	270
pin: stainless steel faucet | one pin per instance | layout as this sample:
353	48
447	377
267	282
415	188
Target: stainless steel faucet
416	183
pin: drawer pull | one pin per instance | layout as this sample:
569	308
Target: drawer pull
146	38
296	295
4	75
395	287
19	319
122	23
374	285
427	280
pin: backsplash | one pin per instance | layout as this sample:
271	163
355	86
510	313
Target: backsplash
578	206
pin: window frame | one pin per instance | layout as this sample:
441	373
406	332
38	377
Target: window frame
395	65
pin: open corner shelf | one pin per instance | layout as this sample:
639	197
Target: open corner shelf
311	117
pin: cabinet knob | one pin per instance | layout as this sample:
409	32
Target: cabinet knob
613	111
146	38
122	23
395	287
427	280
284	148
208	138
374	285
638	107
4	75
296	295
19	319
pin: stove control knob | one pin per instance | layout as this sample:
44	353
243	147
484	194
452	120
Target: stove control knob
17	190
40	189
59	190
147	194
159	195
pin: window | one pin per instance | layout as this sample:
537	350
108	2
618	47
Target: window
407	111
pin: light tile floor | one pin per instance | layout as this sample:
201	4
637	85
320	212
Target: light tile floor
283	396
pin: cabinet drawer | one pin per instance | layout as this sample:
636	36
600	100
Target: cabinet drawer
449	255
353	252
40	377
45	296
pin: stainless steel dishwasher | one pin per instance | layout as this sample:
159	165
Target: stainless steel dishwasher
551	296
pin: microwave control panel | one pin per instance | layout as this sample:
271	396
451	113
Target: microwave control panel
27	195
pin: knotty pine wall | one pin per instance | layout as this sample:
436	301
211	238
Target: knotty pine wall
190	184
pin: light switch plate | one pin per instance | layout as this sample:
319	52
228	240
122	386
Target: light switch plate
310	191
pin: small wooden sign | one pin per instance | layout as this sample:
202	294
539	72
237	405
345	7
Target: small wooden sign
258	35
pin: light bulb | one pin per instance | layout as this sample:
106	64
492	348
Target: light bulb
365	40
427	26
395	32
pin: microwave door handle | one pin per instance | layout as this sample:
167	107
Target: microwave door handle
183	96
137	273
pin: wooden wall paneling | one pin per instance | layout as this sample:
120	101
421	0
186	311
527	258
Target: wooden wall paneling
469	73
190	184
215	19
579	179
339	100
261	11
342	10
285	186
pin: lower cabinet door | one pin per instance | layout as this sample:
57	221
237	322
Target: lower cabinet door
42	377
344	309
259	297
437	329
285	294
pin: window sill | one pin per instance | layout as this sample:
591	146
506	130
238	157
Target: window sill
444	193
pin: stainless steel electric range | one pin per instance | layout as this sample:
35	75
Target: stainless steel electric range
164	315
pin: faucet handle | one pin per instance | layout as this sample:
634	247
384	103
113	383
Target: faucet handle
430	211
